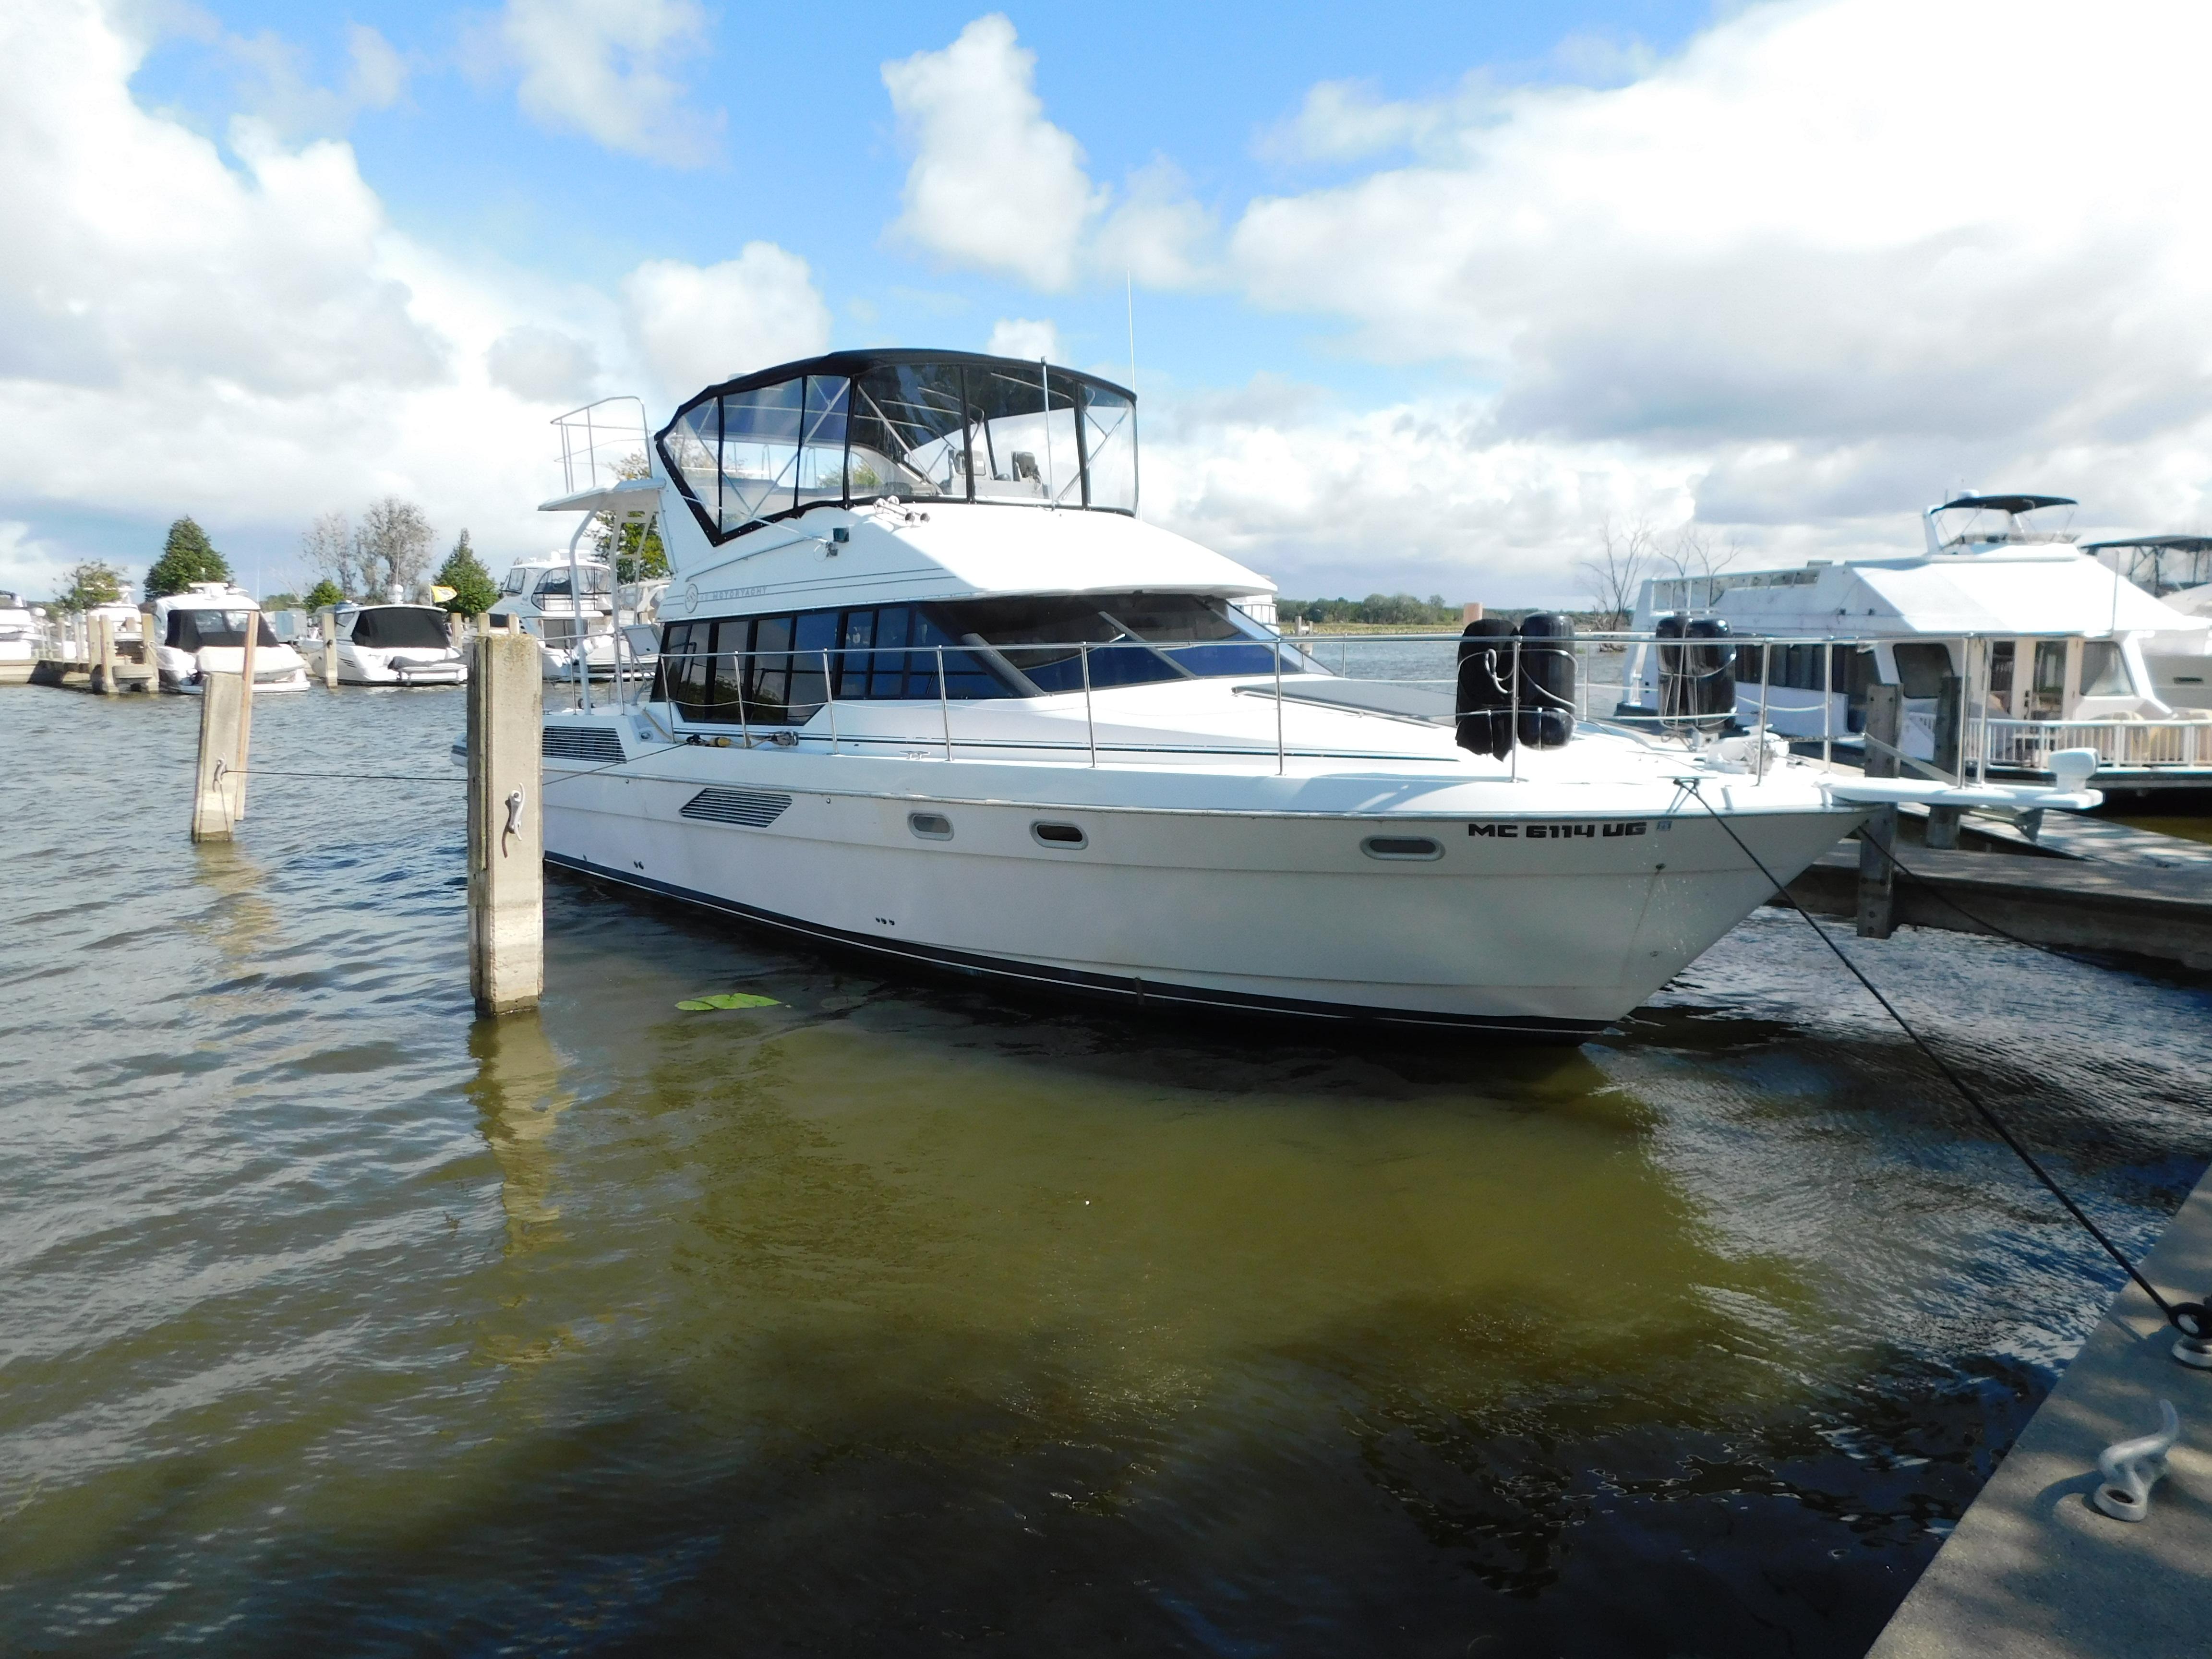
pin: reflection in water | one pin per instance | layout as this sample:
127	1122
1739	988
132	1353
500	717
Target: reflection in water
896	1315
518	1099
237	914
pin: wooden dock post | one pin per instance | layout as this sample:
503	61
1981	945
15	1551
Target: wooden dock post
221	760
150	645
1885	722
330	615
103	671
506	845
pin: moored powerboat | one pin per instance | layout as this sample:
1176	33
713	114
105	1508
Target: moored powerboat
2009	644
931	690
21	635
570	607
202	629
398	645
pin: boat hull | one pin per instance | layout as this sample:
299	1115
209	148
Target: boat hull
1550	928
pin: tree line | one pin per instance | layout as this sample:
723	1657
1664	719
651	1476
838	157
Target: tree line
1389	610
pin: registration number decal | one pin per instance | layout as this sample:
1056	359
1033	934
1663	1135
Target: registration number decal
1518	831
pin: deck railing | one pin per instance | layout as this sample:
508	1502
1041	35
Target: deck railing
1986	741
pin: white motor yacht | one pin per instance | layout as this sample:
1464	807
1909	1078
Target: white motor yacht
570	607
203	629
2008	642
930	688
21	634
2177	571
398	645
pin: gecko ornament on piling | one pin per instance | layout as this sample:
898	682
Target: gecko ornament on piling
2128	1469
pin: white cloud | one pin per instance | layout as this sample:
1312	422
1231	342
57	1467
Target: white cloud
1159	236
543	365
376	76
1345	121
251	343
1018	336
696	325
993	184
606	69
133	248
1799	254
30	567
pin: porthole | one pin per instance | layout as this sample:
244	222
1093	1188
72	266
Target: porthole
1395	849
930	826
1059	836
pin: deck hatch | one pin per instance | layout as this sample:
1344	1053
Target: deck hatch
756	809
583	743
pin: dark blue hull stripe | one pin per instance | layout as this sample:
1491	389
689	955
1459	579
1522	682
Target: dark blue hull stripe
1138	992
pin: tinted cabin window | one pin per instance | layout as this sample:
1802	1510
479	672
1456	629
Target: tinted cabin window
2104	670
193	630
1921	668
773	671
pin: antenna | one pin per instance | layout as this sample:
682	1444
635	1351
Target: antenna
1130	295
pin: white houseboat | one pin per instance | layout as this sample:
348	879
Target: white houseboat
930	689
2009	643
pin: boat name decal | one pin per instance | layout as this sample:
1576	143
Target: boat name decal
1518	831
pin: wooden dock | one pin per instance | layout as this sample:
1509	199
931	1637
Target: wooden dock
2136	909
2033	1571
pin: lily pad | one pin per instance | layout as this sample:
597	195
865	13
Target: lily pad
727	999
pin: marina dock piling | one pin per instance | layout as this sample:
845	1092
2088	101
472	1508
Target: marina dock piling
103	680
217	798
329	619
1878	836
506	865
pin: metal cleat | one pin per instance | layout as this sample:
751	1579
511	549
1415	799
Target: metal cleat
2194	1345
2131	1467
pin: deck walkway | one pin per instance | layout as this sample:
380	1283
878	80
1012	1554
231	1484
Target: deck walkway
2032	1571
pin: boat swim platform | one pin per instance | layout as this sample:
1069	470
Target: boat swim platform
2033	1572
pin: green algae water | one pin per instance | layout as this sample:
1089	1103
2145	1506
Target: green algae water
874	1316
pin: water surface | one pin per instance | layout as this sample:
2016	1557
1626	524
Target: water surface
902	1318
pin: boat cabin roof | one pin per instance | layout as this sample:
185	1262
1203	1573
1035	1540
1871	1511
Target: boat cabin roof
2165	543
2005	503
208	596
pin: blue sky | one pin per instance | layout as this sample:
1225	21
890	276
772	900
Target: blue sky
1427	297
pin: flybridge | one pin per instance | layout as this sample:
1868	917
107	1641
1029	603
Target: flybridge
919	426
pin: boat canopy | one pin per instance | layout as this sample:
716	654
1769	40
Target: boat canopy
919	426
2005	503
2158	544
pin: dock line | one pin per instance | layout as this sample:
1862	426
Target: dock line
2192	1319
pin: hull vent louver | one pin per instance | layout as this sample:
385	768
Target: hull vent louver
583	743
754	808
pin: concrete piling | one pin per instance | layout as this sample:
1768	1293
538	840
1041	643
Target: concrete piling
506	864
150	640
1885	722
222	761
330	616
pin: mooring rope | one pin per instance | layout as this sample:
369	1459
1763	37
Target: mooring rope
2191	1318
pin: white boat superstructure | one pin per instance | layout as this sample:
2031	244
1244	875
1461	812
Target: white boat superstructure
571	610
2177	571
2004	638
21	634
929	688
202	629
398	645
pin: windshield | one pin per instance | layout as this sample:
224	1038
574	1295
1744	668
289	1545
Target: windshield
960	429
1136	637
194	630
555	583
389	627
